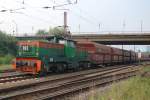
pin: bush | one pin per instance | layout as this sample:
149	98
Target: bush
1	61
136	88
6	59
7	44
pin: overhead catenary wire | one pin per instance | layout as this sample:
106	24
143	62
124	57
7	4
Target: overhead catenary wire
37	9
15	11
94	19
34	8
91	20
89	15
84	18
37	18
57	7
33	17
47	7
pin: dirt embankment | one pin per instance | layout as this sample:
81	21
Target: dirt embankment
146	74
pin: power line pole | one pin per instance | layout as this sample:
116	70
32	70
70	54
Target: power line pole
79	28
16	27
32	29
141	26
124	25
99	27
134	48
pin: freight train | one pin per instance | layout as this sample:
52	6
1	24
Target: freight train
60	54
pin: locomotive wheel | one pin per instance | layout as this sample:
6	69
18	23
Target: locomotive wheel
76	68
64	67
85	65
53	69
59	67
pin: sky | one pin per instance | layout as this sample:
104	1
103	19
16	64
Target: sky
99	16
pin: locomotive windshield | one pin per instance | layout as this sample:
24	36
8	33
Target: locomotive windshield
61	40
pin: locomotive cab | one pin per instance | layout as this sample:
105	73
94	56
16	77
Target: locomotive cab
69	49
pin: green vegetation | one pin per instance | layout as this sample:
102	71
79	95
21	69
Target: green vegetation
7	48
146	69
7	59
5	67
41	32
57	31
7	44
136	88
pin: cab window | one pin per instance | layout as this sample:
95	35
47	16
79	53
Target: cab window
71	43
62	42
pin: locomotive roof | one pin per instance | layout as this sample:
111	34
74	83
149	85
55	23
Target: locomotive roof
59	37
49	39
45	41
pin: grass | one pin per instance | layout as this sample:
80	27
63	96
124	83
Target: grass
136	88
7	59
5	62
146	69
4	67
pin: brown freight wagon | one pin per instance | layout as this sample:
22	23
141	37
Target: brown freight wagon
117	56
145	56
133	56
98	54
126	56
101	54
104	55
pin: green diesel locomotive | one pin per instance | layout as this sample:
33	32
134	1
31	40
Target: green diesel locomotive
56	55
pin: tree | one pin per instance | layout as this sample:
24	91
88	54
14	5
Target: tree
41	32
57	31
7	44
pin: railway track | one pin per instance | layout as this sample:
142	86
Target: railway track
7	71
83	85
52	78
9	74
14	78
56	87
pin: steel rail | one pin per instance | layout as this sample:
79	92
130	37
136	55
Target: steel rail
15	78
56	87
54	79
87	85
